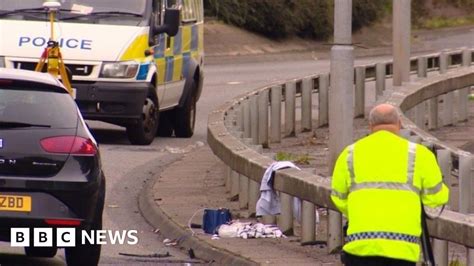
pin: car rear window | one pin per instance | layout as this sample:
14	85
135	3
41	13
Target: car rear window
26	105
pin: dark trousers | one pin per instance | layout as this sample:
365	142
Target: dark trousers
352	260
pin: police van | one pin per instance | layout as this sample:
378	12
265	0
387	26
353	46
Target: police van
136	64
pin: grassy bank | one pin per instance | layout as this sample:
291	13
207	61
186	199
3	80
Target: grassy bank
313	19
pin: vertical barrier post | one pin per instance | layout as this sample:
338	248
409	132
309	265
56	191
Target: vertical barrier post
290	112
410	114
242	117
470	257
247	119
466	189
464	93
440	247
235	187
263	118
448	98
443	62
228	178
379	79
308	222
447	116
440	251
275	132
269	219
254	118
444	161
285	220
254	192
359	110
433	113
466	176
306	104
422	67
420	115
238	118
323	100
243	192
463	104
466	58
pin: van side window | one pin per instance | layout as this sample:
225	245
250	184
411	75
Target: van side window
199	10
157	11
189	11
173	3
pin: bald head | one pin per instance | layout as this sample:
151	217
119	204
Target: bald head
384	117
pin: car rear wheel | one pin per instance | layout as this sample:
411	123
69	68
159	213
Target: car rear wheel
45	252
144	131
88	254
85	254
185	117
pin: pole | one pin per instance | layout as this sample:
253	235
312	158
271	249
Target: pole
401	41
341	97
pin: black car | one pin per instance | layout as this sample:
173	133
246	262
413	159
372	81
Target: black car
50	168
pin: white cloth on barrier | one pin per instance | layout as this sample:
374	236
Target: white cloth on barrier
269	202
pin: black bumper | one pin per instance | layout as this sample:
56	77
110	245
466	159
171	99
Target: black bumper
70	194
113	102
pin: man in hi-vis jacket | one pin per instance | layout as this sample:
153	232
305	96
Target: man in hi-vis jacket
377	184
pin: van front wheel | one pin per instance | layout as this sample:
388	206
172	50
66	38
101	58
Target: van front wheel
144	131
185	119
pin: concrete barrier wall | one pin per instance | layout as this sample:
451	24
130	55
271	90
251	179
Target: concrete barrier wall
243	158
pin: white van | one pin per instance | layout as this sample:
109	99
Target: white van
137	64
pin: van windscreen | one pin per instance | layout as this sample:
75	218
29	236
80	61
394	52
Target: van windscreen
32	9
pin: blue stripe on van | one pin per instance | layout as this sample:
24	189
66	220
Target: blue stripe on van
169	68
178	39
186	60
194	37
143	71
160	48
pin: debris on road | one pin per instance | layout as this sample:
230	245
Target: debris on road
187	149
169	242
153	255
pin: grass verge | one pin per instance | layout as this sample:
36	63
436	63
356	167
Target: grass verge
445	22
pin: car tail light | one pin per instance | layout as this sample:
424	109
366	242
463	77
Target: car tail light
62	222
6	82
69	145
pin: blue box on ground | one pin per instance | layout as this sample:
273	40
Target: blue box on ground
213	218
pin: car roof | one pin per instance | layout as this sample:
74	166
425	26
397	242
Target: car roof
28	75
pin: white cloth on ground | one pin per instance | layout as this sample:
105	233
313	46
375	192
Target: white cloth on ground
269	202
247	230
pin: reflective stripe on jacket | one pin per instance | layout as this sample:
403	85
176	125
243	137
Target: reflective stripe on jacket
377	184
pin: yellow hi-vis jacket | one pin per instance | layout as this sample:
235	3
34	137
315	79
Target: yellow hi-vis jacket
377	184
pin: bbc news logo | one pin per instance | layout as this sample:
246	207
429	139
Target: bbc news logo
66	237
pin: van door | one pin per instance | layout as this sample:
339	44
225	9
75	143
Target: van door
159	50
174	78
